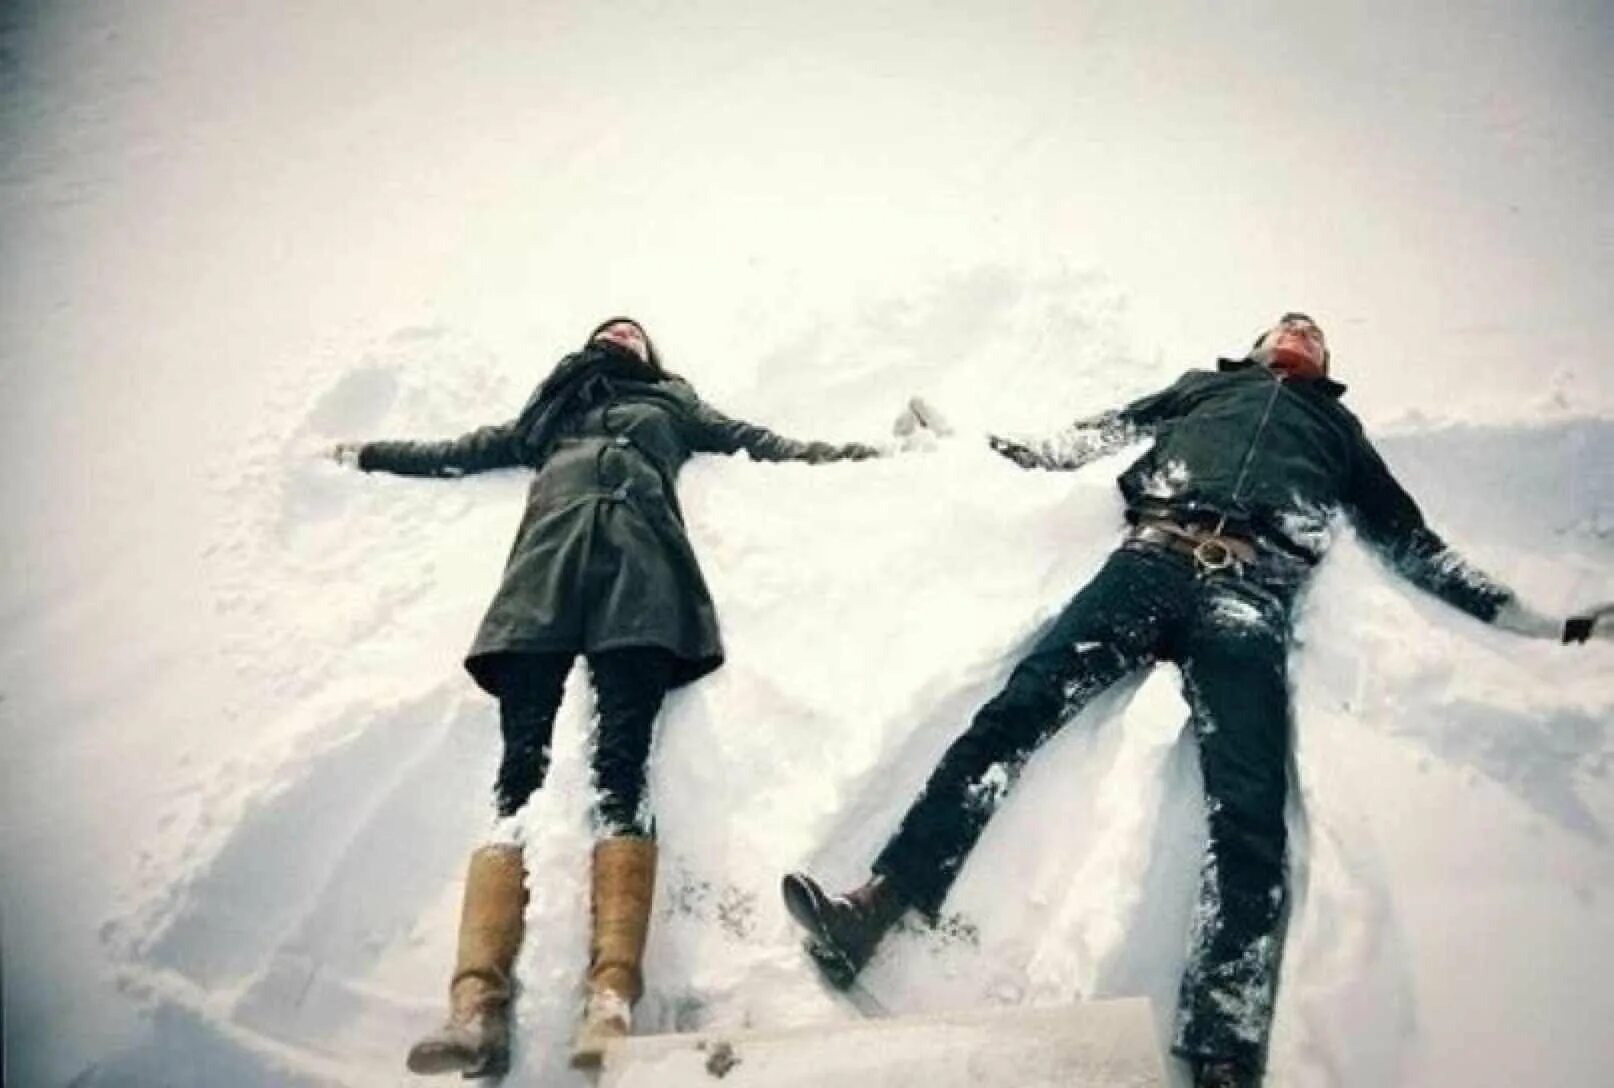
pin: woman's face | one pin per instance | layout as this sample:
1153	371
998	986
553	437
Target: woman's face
628	335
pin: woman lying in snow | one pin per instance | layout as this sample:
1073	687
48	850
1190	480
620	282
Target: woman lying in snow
602	567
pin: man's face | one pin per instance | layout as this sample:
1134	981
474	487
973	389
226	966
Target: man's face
628	335
1295	347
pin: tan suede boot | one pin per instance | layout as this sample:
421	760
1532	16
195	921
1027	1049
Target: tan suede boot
624	883
476	1039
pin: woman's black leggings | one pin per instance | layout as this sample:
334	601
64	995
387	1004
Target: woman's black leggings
629	685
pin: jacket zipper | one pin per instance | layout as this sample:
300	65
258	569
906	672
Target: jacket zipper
1249	453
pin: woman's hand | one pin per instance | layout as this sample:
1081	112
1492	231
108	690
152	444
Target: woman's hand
345	454
919	426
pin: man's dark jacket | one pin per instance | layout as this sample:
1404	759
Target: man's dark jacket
1278	458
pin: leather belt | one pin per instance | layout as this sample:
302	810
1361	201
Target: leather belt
1209	550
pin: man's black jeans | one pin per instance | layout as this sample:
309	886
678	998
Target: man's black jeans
1229	634
629	686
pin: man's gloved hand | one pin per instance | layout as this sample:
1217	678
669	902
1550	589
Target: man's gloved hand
346	453
1521	619
1597	622
1017	452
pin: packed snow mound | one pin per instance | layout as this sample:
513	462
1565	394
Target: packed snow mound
296	924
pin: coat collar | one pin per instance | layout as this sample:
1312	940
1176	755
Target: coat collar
1323	385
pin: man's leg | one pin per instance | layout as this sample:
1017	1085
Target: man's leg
1235	676
1110	628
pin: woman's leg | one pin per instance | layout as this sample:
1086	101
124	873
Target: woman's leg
529	698
630	685
475	1039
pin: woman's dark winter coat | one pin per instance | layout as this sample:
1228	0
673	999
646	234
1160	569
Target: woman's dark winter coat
601	560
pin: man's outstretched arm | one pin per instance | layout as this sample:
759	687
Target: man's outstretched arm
1082	442
1390	520
1093	437
1588	623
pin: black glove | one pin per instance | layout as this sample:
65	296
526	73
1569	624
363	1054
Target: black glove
1588	624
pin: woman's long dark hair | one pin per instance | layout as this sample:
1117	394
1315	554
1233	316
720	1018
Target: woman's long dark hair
579	380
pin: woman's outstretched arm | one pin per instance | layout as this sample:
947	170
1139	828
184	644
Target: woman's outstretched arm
479	451
718	433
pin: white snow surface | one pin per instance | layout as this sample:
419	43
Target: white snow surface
243	768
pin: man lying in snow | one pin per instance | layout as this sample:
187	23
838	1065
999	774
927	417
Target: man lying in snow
1229	511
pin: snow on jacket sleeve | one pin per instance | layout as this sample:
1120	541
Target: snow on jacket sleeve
1093	437
715	432
479	451
1389	519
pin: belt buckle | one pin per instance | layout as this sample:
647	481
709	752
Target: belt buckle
1211	555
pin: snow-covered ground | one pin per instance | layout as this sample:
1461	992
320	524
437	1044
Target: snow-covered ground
242	768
